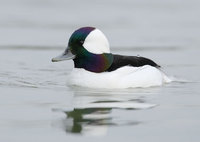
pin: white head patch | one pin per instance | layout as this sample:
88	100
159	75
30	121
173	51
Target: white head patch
96	42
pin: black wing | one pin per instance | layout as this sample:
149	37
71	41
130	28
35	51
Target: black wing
135	61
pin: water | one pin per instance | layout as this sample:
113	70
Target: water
36	104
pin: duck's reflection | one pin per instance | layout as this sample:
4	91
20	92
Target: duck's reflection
92	113
82	118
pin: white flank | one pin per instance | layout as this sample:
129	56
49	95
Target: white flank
124	77
96	42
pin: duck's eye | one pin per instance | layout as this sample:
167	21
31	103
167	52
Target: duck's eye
81	41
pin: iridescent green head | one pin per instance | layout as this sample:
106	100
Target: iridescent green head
89	48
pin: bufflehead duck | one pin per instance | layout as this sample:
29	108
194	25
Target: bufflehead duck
96	67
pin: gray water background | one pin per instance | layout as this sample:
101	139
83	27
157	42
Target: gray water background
36	104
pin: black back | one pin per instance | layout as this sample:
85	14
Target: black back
135	61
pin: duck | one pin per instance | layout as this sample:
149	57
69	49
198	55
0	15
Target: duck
96	67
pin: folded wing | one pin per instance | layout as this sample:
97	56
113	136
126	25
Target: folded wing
135	61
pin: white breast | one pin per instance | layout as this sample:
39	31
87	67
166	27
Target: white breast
124	77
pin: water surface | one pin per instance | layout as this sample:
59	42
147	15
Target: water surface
35	101
36	104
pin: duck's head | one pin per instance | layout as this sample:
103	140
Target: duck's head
89	49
